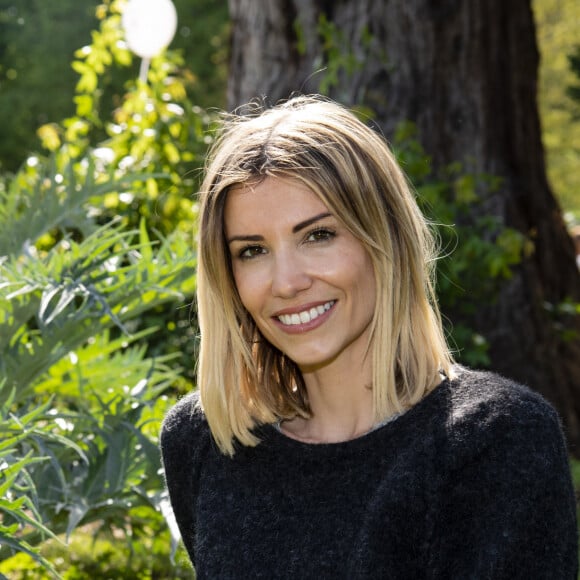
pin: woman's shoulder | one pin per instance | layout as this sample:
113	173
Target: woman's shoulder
185	413
503	482
184	429
486	409
488	394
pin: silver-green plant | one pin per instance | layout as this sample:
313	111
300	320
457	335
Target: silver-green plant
80	400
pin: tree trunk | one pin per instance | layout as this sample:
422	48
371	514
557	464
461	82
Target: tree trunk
465	72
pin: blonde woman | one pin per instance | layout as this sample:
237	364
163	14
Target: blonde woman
332	436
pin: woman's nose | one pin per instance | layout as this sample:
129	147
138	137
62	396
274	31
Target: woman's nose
289	276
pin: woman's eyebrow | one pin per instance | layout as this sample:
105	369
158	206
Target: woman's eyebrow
248	238
309	221
295	229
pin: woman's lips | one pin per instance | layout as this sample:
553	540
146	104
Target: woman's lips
306	319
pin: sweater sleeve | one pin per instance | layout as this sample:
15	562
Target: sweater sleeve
184	438
507	501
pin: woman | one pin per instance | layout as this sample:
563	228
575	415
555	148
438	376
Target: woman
332	436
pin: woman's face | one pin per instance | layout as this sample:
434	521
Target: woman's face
307	282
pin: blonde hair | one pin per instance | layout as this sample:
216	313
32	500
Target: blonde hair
244	381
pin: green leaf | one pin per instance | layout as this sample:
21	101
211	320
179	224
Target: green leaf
22	546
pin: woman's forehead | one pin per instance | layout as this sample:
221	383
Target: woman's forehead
273	203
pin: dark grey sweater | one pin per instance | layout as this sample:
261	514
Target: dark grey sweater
471	483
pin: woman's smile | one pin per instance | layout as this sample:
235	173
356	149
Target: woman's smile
306	318
307	282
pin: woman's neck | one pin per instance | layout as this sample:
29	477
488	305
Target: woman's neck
341	405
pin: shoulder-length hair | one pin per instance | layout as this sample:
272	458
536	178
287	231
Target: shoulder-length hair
245	381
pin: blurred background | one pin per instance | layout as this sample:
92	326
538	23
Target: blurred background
106	112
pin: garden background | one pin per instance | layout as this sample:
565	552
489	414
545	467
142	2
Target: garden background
98	174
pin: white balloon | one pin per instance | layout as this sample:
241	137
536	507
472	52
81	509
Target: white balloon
149	26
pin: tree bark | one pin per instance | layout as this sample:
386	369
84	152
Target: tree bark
465	71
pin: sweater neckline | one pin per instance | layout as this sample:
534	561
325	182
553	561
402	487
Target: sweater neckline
278	427
362	440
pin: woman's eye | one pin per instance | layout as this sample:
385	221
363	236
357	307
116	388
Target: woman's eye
320	235
250	252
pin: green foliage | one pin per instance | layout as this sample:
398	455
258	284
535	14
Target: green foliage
563	315
478	252
203	40
95	253
339	59
155	132
18	493
88	557
575	469
110	276
573	90
155	128
80	399
38	40
557	33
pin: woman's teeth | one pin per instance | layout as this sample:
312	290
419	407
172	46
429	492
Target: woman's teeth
306	315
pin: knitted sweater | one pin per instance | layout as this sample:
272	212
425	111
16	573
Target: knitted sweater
471	483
